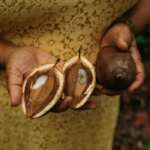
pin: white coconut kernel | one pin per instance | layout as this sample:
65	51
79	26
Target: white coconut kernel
82	76
40	81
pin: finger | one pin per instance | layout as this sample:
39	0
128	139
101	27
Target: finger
122	44
140	69
62	105
88	105
15	79
44	57
124	40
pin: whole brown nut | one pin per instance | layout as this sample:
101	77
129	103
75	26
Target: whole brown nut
115	69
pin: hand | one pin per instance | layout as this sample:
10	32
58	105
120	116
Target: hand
121	36
19	63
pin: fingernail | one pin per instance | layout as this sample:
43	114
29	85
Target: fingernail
125	44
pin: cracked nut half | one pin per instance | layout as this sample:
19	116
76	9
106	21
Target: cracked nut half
41	90
80	80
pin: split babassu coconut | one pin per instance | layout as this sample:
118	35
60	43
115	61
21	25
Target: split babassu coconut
80	80
115	69
42	89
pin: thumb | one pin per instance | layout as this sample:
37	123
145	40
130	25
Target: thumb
15	79
124	41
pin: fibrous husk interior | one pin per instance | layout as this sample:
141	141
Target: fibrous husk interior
36	99
78	78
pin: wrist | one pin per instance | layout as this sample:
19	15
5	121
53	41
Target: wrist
6	48
140	14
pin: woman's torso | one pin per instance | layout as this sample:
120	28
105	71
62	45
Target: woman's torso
60	27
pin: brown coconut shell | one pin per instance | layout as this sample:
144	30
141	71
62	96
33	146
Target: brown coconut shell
42	89
80	80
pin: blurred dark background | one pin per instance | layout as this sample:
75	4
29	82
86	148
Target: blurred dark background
133	130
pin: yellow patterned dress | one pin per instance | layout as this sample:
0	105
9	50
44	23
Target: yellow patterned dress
60	27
